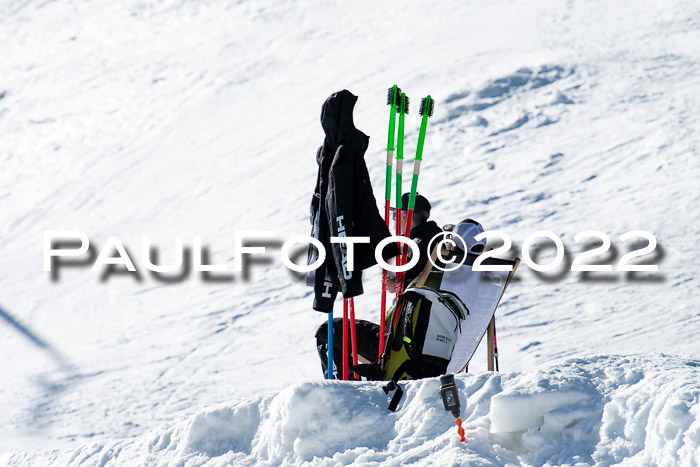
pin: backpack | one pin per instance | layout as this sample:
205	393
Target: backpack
422	330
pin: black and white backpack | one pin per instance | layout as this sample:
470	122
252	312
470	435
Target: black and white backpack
422	330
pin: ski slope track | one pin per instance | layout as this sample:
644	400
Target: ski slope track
175	118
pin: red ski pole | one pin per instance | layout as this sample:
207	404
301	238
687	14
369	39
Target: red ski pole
353	334
345	339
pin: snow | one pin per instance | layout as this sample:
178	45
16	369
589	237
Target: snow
604	409
173	118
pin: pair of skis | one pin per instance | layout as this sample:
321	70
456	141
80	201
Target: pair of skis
399	103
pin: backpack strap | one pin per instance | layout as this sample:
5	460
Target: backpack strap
407	323
371	371
406	367
396	399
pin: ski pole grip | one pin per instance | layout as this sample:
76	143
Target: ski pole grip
416	166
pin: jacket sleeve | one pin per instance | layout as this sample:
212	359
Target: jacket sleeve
315	215
339	206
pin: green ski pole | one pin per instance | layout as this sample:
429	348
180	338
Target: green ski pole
427	106
392	98
403	110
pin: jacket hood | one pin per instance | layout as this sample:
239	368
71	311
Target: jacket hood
336	118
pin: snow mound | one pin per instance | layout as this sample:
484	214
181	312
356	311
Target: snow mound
598	410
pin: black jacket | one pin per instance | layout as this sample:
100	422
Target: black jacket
343	204
421	234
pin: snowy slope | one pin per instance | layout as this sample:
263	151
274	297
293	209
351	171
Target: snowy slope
176	118
642	410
